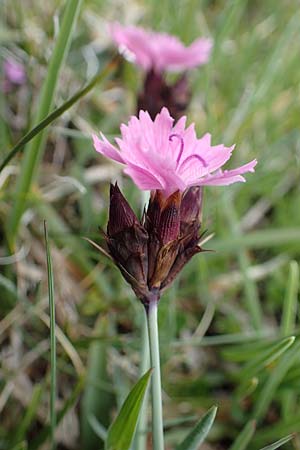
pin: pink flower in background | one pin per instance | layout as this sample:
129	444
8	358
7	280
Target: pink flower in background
14	71
160	155
14	74
159	51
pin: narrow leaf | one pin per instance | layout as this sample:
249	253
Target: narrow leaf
121	432
97	399
244	437
29	416
52	340
290	301
266	358
274	380
195	438
58	112
97	427
44	434
278	443
35	149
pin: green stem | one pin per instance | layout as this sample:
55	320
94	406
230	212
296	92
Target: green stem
140	442
157	417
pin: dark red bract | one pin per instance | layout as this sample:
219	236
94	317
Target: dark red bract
151	252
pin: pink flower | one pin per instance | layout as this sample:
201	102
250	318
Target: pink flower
14	71
159	51
160	155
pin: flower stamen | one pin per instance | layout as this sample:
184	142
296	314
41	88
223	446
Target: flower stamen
204	163
181	146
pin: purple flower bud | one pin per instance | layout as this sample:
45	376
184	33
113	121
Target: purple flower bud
169	223
127	242
191	209
151	254
157	93
121	215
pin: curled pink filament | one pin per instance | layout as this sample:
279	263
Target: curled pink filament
181	146
203	162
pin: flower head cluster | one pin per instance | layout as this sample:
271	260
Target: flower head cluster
159	155
174	164
159	51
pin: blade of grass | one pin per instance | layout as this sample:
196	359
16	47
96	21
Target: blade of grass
35	149
271	433
29	415
265	358
58	112
271	70
251	292
97	399
290	301
121	431
258	239
198	434
260	362
38	441
62	236
288	402
278	443
97	427
245	436
52	339
277	375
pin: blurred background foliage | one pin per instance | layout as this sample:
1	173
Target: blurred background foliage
226	324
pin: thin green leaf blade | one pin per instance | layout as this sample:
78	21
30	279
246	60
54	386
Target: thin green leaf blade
19	147
274	380
244	437
97	427
195	438
53	385
267	357
35	149
28	417
121	432
44	434
97	399
290	302
278	443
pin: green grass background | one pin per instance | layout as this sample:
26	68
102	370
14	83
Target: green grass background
223	322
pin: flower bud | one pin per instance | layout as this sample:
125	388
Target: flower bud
191	209
151	254
190	222
163	226
127	241
121	215
157	93
169	223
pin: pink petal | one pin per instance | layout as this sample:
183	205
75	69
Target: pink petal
216	157
142	178
105	148
136	41
179	126
228	176
162	129
159	51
